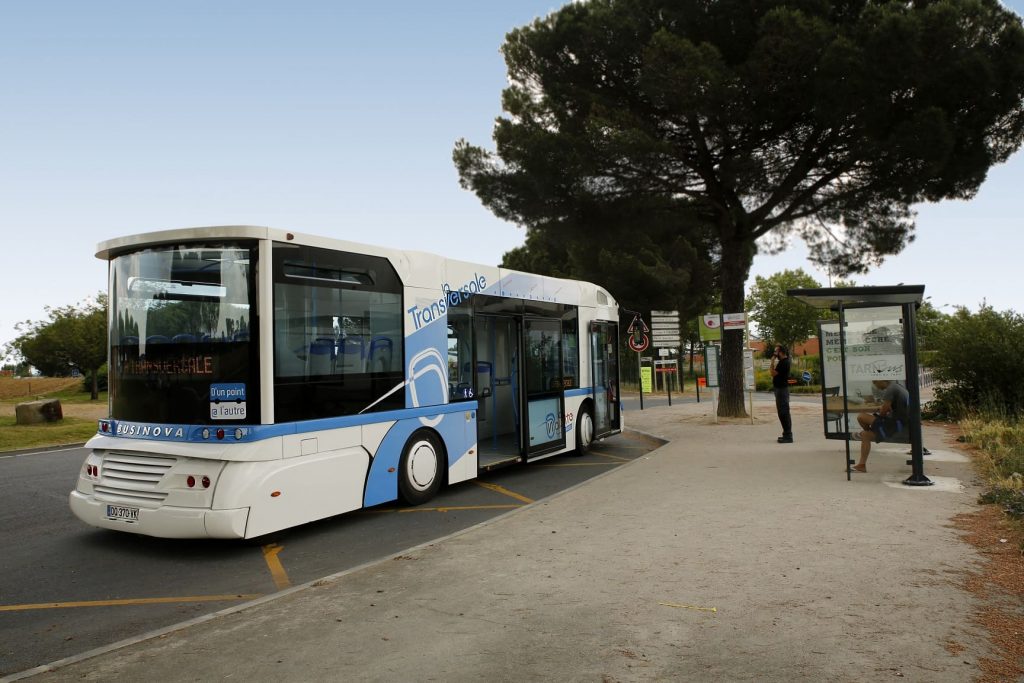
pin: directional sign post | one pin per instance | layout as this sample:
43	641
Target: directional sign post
639	341
665	336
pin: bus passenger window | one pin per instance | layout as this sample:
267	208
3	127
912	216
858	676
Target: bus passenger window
461	379
337	333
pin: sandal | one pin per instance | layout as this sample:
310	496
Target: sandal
859	468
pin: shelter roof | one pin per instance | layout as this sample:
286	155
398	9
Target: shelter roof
858	297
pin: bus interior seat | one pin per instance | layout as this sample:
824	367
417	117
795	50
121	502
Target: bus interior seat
353	353
379	356
323	356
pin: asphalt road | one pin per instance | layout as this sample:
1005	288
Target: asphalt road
66	588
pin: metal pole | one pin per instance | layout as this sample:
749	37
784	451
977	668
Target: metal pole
696	379
668	383
917	478
846	389
640	374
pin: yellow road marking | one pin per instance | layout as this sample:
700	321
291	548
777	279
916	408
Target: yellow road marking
128	601
503	491
274	564
449	508
609	455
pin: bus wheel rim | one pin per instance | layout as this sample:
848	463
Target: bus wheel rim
422	466
586	430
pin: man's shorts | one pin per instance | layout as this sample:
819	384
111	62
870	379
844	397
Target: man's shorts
884	427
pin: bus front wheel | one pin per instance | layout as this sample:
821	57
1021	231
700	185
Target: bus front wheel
584	431
421	469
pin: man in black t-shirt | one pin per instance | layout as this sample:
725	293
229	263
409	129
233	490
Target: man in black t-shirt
780	385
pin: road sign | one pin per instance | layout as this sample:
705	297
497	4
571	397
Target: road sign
665	330
710	327
637	331
734	321
638	341
637	325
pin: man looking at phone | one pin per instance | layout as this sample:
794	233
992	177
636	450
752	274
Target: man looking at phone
780	385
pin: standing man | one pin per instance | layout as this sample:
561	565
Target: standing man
780	384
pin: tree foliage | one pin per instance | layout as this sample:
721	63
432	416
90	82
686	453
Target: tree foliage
74	337
752	122
978	362
645	270
781	319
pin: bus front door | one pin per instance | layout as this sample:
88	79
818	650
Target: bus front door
542	359
605	371
499	431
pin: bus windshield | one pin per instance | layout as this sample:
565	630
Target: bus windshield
183	346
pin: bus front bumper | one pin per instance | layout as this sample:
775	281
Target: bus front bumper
165	521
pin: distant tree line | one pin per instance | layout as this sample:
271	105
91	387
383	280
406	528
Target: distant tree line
72	338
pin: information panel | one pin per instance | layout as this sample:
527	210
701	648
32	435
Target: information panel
711	365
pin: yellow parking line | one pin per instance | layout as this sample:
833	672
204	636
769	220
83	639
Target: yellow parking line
462	507
449	508
609	455
274	564
503	491
128	601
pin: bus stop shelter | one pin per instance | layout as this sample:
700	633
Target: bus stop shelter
874	338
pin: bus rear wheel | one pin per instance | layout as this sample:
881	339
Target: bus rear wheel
584	431
421	468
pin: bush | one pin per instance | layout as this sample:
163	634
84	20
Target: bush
1000	462
979	365
102	379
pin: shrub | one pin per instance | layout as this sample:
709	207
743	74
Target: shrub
102	380
978	363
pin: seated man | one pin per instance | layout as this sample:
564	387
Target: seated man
886	422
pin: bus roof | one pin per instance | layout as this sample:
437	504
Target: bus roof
407	262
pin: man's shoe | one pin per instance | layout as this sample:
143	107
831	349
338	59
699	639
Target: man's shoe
785	439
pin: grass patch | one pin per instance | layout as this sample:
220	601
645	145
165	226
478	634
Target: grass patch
21	389
1000	460
69	430
76	395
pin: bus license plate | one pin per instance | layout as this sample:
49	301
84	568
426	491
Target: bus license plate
123	512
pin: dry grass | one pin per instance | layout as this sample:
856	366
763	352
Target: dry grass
1000	454
27	388
80	413
1000	586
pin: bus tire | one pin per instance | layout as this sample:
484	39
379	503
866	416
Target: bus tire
421	469
584	429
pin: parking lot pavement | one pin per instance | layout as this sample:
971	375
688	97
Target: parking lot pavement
722	555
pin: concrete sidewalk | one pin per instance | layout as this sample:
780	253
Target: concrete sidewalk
722	555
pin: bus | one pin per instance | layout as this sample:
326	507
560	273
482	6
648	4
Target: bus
260	379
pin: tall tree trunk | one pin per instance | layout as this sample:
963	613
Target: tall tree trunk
737	257
95	384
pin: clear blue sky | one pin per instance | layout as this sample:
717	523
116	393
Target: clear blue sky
332	118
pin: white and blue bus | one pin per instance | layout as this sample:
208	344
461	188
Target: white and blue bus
260	379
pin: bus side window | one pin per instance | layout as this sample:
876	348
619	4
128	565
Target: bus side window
461	379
